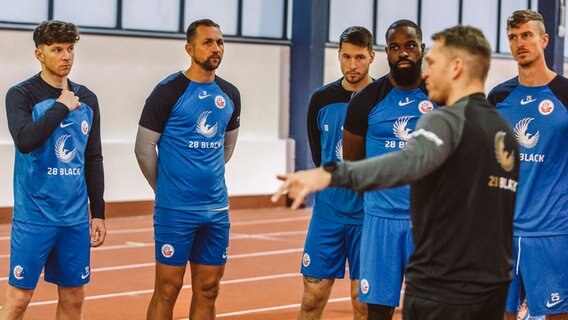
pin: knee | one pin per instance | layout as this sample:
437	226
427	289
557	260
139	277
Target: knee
169	290
313	301
208	290
72	297
18	300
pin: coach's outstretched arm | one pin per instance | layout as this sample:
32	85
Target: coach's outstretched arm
147	154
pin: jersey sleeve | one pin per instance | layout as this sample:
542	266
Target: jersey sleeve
235	96
362	103
29	135
502	91
314	136
558	86
157	109
94	170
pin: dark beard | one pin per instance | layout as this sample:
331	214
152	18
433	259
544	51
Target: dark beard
406	76
207	64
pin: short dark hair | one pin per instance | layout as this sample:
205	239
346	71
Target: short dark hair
192	29
55	31
358	36
404	23
523	16
470	40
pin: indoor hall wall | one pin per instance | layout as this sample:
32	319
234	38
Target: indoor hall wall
502	68
122	71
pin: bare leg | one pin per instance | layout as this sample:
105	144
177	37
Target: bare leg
70	304
316	294
205	284
359	308
17	301
168	283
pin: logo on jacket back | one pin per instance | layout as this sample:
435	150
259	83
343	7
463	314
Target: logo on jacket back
525	138
62	151
506	159
205	129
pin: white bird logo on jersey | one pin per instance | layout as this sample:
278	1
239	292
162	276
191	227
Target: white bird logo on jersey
62	153
400	130
205	129
339	149
504	158
526	139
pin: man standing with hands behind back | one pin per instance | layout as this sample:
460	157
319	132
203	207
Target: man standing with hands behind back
55	124
535	103
192	119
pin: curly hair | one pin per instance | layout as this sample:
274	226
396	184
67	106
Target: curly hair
55	31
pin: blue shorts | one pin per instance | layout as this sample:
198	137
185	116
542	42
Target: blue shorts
386	246
328	245
200	237
65	253
540	274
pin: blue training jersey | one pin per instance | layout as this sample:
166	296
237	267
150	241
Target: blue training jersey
539	117
326	115
386	116
192	118
58	154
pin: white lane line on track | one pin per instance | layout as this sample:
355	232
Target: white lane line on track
233	224
151	264
259	310
149	291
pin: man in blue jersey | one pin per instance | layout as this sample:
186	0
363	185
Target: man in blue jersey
334	234
380	120
535	103
463	163
55	124
188	130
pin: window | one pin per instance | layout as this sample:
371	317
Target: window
24	11
223	12
155	15
346	13
88	13
263	18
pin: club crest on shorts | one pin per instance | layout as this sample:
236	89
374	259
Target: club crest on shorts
167	250
364	286
306	260
19	272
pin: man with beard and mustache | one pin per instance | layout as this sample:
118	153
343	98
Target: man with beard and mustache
380	120
192	119
334	234
535	103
